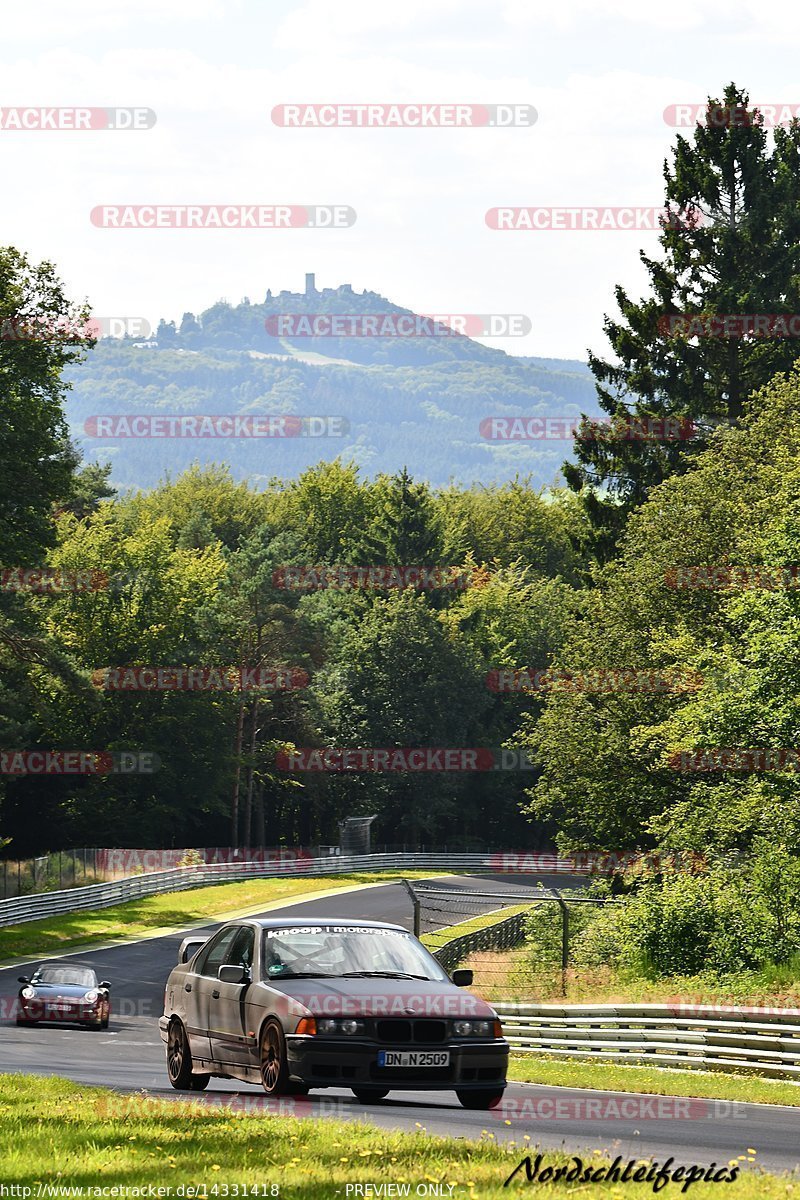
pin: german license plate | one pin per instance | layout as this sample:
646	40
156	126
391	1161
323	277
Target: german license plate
413	1058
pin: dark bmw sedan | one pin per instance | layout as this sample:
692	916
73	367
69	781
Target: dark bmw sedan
336	1003
63	992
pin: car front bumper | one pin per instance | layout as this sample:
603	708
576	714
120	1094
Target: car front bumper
353	1062
58	1014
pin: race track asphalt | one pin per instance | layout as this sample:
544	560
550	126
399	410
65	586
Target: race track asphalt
129	1056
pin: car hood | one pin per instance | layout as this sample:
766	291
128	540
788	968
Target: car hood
377	997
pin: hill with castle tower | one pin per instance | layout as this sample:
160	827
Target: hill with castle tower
416	400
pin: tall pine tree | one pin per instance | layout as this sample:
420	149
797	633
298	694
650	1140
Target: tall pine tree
733	249
405	528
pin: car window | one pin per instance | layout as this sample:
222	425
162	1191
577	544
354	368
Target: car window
241	949
66	977
214	955
345	949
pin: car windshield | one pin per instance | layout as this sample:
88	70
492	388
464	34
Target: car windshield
346	950
66	977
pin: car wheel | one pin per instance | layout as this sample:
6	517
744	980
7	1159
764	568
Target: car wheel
26	1021
368	1095
274	1072
479	1099
179	1061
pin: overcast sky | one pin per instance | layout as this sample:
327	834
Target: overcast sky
599	76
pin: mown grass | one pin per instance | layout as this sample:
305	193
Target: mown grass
55	1132
172	910
657	1081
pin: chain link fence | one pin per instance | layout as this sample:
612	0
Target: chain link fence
49	872
518	943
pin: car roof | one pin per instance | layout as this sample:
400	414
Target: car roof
300	922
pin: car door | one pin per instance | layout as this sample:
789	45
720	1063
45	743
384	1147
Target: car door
232	1044
198	986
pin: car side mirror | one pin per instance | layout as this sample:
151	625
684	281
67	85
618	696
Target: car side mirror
462	978
23	979
231	973
105	984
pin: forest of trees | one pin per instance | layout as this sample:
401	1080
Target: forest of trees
656	597
190	576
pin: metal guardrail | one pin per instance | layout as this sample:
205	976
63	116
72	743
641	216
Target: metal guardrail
766	1042
19	909
502	935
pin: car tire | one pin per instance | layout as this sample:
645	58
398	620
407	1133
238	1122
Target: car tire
369	1095
273	1065
26	1021
179	1061
485	1098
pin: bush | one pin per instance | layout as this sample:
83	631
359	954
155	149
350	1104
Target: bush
730	918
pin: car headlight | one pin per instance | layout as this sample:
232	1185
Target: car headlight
473	1028
28	993
340	1025
92	996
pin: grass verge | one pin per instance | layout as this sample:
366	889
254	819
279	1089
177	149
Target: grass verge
171	910
440	937
63	1134
517	975
657	1081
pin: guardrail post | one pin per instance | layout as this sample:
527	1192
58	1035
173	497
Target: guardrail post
562	904
415	902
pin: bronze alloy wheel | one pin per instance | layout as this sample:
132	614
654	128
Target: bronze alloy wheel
179	1061
274	1072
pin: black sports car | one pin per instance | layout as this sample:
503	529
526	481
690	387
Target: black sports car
63	992
297	1004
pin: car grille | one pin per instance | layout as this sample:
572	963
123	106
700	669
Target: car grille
424	1033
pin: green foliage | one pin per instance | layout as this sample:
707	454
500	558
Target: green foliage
609	774
730	918
36	459
742	256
